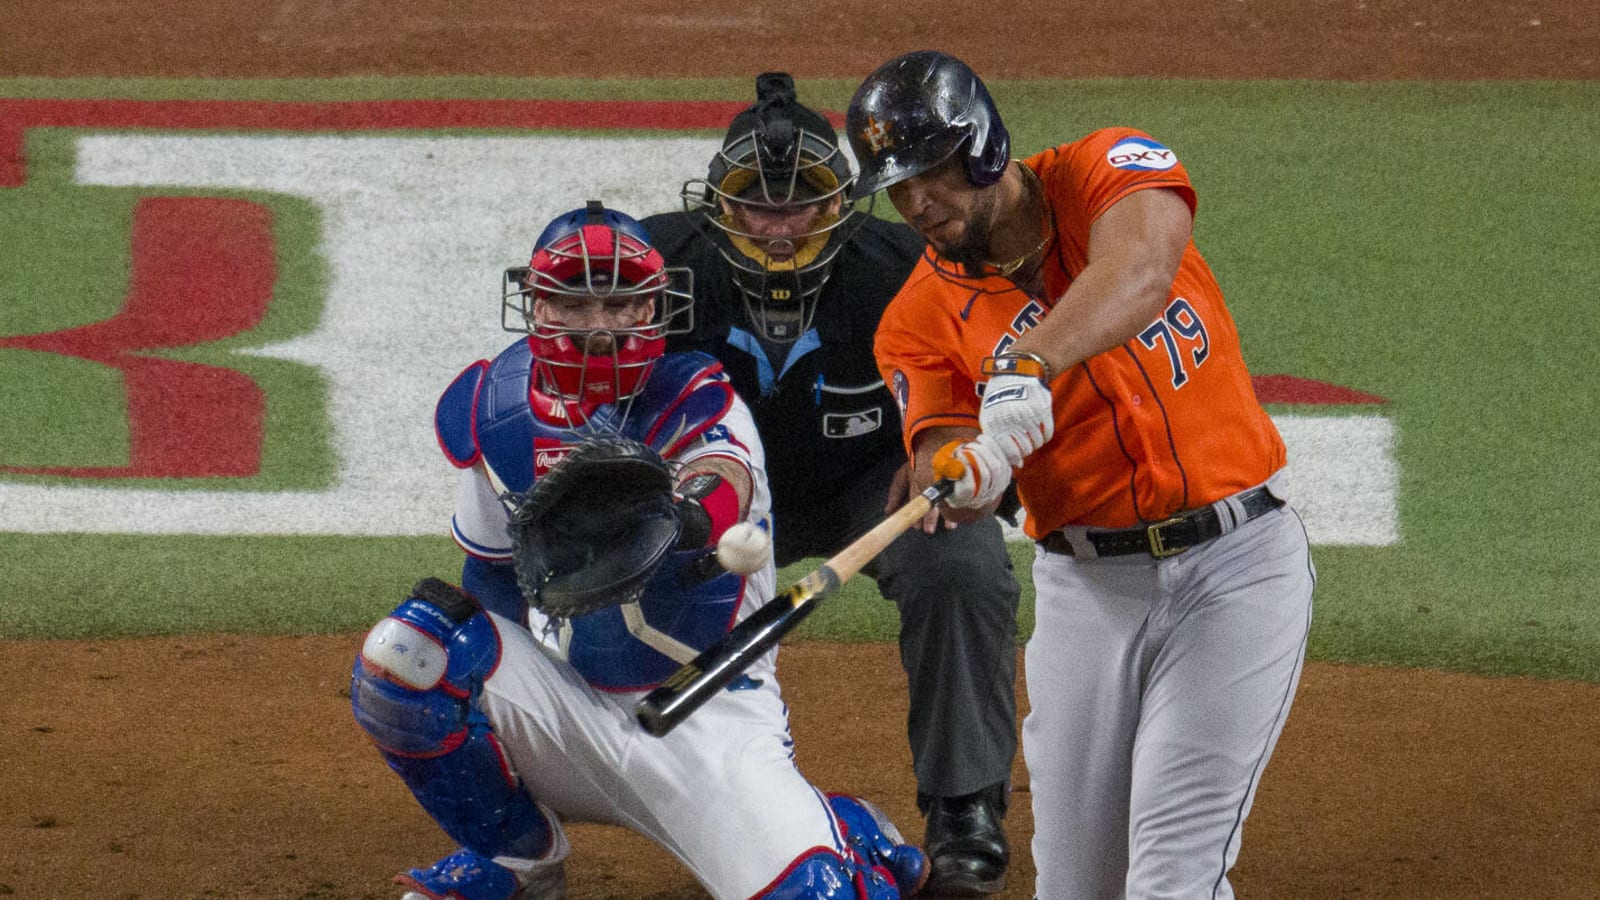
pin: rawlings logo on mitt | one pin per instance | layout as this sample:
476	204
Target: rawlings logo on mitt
594	528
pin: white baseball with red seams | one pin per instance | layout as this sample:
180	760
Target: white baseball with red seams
744	548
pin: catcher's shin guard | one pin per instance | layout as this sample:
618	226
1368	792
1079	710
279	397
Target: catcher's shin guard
877	863
414	690
462	874
824	875
878	844
465	875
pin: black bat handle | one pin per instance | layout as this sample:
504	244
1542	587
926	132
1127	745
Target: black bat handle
664	707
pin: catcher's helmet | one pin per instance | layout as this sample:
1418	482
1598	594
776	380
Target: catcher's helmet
602	254
780	161
916	111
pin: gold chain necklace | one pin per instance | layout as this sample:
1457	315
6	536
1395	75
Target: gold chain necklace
1005	270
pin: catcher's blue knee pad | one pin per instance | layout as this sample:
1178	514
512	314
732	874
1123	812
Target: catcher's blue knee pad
414	690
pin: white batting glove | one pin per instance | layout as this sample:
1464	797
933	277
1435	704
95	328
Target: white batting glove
1018	413
979	467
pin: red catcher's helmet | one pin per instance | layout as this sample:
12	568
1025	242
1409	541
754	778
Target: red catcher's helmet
601	254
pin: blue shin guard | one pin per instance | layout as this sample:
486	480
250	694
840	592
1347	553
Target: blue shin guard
464	875
824	875
414	690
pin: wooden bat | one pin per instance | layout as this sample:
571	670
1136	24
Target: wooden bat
700	679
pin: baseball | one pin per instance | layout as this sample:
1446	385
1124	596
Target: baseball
744	548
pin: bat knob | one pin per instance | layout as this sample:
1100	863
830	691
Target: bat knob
652	721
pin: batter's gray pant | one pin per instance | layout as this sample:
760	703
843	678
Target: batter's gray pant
1158	690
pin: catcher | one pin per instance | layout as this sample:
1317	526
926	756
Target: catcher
596	476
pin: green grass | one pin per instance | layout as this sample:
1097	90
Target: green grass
95	586
1428	243
130	585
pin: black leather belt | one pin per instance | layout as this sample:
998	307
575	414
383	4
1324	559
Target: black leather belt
1168	537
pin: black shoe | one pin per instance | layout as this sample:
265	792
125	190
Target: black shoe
966	845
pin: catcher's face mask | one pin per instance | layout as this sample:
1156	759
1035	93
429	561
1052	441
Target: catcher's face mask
597	302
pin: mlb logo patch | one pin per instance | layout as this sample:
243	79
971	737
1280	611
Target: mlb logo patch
852	424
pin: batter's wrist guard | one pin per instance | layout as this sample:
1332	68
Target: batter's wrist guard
1017	362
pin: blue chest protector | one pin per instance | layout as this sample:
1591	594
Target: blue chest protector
487	414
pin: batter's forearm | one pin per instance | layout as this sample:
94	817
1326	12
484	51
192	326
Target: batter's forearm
1098	313
1135	249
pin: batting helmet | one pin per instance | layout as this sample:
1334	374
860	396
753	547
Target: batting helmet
598	253
916	111
779	160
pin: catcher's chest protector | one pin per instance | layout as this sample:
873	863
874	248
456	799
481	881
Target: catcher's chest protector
604	650
486	414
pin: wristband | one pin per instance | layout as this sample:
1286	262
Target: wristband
1017	362
709	507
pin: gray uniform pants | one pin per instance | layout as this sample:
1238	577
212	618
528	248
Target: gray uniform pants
1158	690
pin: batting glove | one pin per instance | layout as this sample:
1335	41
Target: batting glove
979	468
1017	409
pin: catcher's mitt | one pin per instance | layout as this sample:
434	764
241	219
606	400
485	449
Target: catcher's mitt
593	529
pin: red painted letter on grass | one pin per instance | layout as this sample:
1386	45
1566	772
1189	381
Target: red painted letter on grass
203	270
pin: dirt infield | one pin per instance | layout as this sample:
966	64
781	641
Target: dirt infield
229	767
1324	39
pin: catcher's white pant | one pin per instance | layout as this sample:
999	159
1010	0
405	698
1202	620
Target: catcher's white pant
720	792
1158	689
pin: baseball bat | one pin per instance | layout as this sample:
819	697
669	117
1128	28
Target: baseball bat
697	681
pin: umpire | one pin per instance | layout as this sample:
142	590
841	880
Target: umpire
790	279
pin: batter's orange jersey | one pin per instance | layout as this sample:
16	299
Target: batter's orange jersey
1166	422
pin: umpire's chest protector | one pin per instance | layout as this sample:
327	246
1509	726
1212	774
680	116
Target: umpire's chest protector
823	411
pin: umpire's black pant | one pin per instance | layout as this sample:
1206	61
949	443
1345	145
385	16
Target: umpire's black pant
957	597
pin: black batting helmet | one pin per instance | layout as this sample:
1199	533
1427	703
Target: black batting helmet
916	111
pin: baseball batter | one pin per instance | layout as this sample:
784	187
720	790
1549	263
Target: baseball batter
1064	330
502	733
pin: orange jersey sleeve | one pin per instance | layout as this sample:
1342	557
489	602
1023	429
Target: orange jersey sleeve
1166	422
932	338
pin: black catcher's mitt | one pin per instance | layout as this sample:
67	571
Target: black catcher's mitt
593	529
